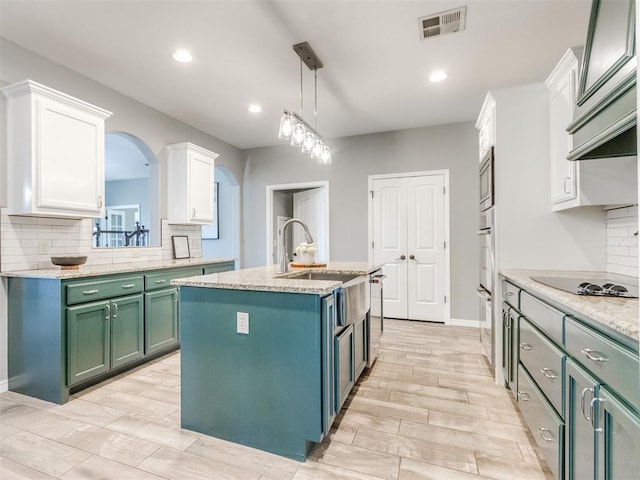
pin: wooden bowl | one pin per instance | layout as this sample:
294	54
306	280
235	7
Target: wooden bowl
68	262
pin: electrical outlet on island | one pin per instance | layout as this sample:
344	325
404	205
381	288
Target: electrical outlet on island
242	323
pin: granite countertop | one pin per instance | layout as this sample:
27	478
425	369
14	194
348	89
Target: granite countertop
268	278
617	314
94	270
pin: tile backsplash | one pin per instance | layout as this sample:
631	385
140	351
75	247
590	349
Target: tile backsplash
23	239
622	245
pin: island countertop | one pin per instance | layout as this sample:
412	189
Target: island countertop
617	314
268	278
125	267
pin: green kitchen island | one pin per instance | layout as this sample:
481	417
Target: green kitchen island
278	387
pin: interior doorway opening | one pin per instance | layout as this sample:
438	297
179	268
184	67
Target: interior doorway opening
309	202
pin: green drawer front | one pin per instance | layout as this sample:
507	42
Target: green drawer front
82	292
153	281
511	294
219	267
546	427
543	316
544	362
614	365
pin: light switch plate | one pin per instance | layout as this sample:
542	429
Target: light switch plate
242	323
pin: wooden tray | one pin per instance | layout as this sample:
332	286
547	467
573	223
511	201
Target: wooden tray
313	265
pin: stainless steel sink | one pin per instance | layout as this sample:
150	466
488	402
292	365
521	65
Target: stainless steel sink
336	277
353	298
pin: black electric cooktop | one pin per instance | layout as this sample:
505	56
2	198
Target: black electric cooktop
586	285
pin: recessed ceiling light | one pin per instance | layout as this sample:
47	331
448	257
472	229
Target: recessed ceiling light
255	108
437	76
182	56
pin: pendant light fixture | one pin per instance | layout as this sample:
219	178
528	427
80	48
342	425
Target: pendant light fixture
293	127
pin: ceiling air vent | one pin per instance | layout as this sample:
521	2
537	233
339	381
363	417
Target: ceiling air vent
441	23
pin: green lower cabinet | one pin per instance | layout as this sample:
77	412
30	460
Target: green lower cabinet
161	320
102	336
344	367
328	370
219	267
127	330
360	346
88	341
618	431
581	439
603	433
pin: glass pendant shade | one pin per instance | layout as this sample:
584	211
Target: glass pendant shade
325	159
318	148
286	126
308	142
297	137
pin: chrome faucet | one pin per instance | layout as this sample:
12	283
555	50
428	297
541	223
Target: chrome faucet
282	241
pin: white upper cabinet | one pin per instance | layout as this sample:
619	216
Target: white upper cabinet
590	182
486	124
55	147
190	177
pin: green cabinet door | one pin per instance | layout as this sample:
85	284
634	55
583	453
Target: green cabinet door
88	341
581	440
127	330
160	320
344	368
360	346
328	371
618	431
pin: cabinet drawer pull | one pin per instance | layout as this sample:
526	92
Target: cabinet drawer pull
547	372
588	352
546	438
90	292
160	281
583	402
129	285
508	294
526	346
524	396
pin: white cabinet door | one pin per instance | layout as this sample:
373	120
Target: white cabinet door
201	187
55	164
561	107
190	178
69	159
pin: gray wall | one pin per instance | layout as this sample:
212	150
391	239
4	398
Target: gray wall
453	147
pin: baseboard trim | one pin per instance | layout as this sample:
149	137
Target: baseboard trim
463	322
4	386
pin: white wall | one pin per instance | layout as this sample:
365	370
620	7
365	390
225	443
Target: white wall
453	147
228	243
529	234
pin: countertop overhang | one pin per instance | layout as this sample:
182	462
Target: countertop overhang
96	270
617	315
269	279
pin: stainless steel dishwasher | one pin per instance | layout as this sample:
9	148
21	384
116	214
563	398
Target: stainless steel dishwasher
376	318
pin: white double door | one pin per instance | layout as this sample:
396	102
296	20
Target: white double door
408	234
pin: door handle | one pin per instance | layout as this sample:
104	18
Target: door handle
115	310
595	415
401	257
583	402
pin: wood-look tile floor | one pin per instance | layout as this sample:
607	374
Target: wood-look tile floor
428	409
